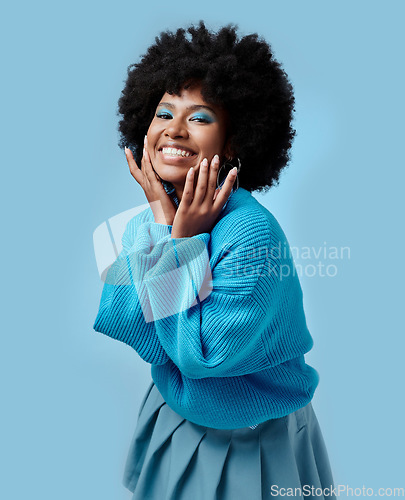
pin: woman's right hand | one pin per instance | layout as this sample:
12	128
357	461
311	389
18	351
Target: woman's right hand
163	207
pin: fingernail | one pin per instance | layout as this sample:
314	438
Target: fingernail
205	162
234	171
144	139
126	150
216	158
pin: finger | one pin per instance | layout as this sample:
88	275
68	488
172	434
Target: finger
150	172
212	178
188	191
201	187
145	156
224	193
133	167
144	163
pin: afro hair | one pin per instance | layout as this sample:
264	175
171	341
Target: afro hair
240	75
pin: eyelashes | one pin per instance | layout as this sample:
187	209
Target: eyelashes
166	115
203	118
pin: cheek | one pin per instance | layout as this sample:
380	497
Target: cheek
213	141
152	135
151	129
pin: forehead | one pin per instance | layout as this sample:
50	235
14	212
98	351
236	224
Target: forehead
186	94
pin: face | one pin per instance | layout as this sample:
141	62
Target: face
194	128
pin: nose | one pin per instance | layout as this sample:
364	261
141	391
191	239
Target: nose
176	128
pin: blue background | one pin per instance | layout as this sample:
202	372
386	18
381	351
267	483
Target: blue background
70	396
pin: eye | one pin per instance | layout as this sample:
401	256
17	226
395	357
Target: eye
164	114
202	118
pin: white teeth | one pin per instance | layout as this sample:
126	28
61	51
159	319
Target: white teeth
175	151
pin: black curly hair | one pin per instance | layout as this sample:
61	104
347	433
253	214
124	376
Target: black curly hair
240	75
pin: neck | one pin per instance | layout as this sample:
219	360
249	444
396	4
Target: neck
179	192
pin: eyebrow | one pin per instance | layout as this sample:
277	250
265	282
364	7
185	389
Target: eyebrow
194	107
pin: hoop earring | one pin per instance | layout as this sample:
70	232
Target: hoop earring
232	166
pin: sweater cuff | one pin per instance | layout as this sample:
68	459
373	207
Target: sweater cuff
159	231
150	242
149	235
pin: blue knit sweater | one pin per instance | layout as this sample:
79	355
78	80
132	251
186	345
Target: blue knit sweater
218	315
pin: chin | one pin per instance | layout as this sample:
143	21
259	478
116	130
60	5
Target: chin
175	180
172	174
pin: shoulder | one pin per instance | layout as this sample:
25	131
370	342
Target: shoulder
245	221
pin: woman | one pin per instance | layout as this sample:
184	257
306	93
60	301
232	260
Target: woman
201	289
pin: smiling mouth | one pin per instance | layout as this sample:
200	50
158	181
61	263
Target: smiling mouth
177	153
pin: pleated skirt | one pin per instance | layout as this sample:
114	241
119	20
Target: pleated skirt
171	458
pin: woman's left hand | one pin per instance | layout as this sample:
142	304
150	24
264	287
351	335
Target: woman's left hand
199	208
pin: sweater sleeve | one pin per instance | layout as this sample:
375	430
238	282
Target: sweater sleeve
120	314
228	314
209	322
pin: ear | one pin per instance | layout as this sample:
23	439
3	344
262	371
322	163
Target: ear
228	151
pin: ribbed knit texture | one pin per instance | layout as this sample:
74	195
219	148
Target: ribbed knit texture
218	315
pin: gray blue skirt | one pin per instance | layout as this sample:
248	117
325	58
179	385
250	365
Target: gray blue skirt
171	458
